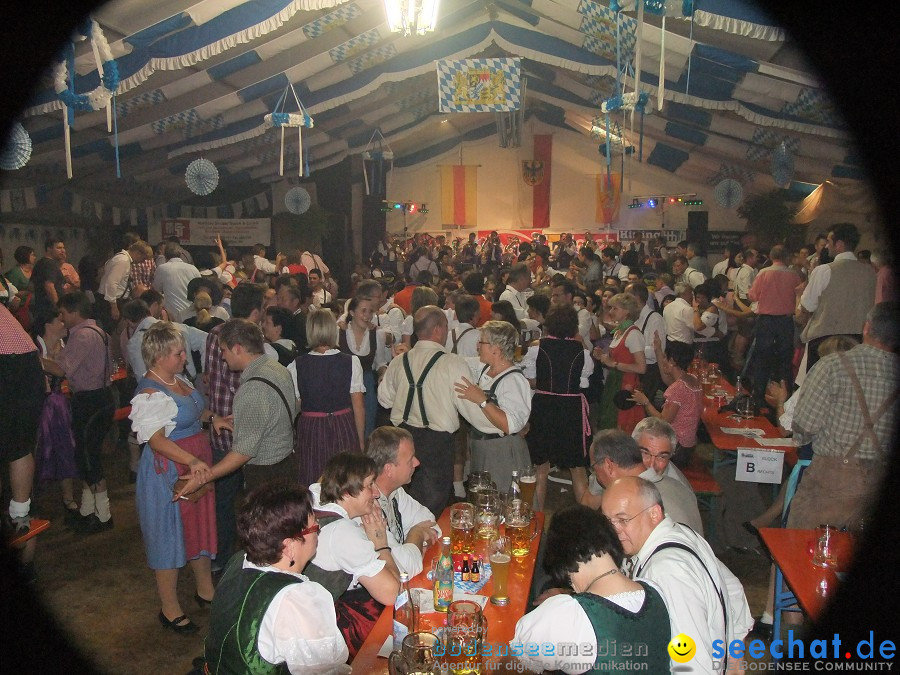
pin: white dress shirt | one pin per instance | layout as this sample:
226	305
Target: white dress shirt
407	556
299	628
651	323
264	265
441	403
743	280
171	279
116	274
693	602
693	277
466	345
517	300
679	318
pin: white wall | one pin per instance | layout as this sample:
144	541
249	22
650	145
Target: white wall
504	201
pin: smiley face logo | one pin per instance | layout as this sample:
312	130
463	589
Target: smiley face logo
682	648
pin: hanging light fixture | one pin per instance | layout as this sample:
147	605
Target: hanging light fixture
411	16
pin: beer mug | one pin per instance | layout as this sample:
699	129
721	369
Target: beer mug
521	528
500	558
478	481
825	554
487	514
418	655
462	528
528	483
464	637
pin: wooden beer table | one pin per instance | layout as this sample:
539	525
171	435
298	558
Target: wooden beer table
809	586
501	620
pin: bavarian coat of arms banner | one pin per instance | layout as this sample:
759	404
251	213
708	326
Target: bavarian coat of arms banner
479	85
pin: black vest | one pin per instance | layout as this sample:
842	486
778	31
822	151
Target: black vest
559	365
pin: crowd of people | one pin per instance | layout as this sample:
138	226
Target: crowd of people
351	419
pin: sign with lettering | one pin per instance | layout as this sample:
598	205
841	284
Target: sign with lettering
759	465
717	239
203	231
672	236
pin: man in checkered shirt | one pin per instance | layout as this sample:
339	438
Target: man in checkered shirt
222	383
847	409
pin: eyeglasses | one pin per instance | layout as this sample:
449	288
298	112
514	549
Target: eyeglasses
663	455
622	522
312	529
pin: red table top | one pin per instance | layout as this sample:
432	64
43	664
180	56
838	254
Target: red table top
501	620
714	421
792	552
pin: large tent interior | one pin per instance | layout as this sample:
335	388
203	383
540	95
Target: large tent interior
739	113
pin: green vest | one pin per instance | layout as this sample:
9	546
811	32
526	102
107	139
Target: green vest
242	598
626	637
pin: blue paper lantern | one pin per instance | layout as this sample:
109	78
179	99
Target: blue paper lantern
297	200
782	165
729	193
18	149
201	177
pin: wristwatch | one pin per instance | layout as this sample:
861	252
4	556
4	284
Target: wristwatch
483	404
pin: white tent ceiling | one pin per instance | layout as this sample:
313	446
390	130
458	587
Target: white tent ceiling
197	79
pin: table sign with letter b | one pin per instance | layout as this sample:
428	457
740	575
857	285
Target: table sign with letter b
759	465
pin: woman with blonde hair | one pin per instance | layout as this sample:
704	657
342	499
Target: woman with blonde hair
166	414
625	363
330	387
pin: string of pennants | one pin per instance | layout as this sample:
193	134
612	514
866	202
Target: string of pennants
18	200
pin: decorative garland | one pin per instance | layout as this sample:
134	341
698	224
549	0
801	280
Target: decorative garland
106	66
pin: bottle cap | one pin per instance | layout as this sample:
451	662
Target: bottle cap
446	540
404	576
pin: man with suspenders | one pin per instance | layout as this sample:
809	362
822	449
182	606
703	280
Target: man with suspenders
418	388
463	340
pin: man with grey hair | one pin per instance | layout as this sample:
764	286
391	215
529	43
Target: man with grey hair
410	526
615	454
847	409
705	600
681	317
656	440
418	389
171	279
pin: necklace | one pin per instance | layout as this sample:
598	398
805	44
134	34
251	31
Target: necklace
598	578
173	383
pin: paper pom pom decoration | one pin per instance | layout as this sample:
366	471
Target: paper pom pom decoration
782	165
201	177
297	200
18	149
729	193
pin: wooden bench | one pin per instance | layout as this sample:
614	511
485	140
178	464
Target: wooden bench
707	490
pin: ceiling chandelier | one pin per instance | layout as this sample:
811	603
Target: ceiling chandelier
411	16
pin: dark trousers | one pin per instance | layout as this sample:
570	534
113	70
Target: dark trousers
772	353
812	348
650	380
432	482
92	416
256	475
227	489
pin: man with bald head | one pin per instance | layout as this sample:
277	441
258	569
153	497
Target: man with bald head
705	600
418	389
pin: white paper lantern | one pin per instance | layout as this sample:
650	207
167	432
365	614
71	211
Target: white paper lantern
18	149
297	200
782	165
201	177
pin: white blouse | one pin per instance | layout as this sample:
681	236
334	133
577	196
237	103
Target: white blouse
152	412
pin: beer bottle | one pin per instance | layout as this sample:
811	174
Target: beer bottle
465	569
515	492
405	612
475	572
443	578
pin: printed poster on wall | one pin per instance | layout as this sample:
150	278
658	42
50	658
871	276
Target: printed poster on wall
203	231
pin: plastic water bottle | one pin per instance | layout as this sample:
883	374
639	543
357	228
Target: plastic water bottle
405	612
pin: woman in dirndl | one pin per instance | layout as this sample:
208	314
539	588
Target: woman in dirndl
503	395
332	407
166	414
367	343
625	363
558	367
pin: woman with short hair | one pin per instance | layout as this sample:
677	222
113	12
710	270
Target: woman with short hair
166	414
625	363
584	554
504	396
267	613
330	387
354	560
